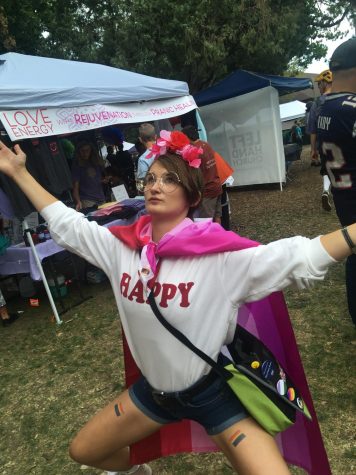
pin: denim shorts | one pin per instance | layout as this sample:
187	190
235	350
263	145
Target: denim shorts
216	408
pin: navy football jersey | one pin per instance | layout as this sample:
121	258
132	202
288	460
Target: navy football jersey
337	143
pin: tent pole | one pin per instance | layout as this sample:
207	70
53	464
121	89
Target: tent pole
40	268
276	137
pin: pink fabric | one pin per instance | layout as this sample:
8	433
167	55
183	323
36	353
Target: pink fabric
186	239
268	319
302	443
203	237
108	210
151	255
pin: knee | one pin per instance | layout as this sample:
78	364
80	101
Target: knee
79	451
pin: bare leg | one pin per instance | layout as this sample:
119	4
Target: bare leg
104	441
4	314
250	450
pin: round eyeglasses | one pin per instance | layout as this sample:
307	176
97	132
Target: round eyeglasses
168	182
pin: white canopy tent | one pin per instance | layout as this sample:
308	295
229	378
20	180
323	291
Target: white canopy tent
41	97
292	110
246	131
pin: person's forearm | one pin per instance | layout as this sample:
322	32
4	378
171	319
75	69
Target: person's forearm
336	245
39	197
313	142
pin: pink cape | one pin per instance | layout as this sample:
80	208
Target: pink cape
268	319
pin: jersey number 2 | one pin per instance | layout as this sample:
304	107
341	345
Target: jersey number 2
339	180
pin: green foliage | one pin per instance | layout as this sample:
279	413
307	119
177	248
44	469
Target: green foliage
23	25
199	41
202	41
7	41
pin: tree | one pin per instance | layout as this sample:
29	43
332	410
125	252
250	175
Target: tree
199	41
24	25
331	13
7	41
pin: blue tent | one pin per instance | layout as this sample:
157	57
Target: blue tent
241	82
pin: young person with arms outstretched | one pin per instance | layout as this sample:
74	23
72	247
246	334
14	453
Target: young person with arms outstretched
199	294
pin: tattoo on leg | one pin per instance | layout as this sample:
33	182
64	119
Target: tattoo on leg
119	409
236	438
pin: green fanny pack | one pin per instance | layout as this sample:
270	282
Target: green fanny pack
254	375
261	383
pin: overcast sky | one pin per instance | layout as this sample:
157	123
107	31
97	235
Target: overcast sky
318	66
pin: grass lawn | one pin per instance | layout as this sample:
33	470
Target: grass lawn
53	378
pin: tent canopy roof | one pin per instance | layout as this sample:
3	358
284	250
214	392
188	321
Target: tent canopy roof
241	82
28	82
292	110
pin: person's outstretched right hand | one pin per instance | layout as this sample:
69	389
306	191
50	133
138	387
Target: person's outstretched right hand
11	162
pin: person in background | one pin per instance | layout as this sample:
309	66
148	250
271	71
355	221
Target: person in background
113	176
337	147
308	106
147	136
6	317
140	150
210	206
126	169
296	135
225	173
88	175
324	80
110	156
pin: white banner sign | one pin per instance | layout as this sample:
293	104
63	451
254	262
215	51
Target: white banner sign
43	122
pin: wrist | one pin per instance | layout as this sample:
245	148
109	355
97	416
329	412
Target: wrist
20	175
350	241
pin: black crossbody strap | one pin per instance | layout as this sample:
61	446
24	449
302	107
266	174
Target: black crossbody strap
225	374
